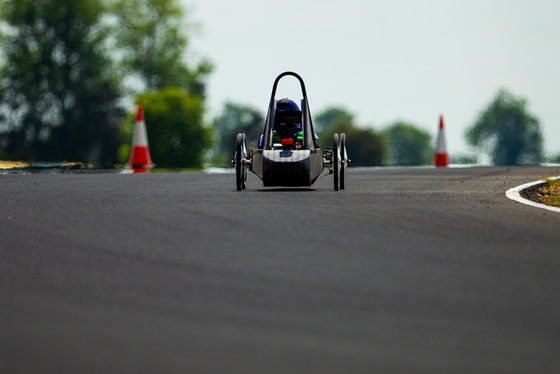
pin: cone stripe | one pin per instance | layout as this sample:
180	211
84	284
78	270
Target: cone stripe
140	138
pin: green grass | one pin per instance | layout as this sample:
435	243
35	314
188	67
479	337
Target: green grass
550	192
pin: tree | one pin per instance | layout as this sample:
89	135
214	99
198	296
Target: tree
235	118
408	145
174	125
332	120
507	131
151	36
366	147
335	116
58	92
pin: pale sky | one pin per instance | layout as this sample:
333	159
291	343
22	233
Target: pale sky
387	60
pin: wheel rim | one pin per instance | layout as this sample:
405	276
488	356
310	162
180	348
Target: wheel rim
239	162
335	161
244	156
343	159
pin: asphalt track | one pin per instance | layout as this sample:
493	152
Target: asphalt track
406	271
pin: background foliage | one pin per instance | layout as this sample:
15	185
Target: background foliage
152	37
408	145
366	147
173	118
233	119
65	65
58	94
507	131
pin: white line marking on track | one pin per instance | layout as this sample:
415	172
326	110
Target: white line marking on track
514	194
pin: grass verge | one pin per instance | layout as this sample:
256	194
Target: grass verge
549	193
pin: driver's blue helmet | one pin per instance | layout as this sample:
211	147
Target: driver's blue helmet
286	104
289	105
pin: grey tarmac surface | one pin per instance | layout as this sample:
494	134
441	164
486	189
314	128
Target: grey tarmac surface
406	271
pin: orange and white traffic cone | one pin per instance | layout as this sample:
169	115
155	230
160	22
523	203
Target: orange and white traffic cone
441	158
140	160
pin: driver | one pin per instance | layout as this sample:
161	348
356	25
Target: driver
283	105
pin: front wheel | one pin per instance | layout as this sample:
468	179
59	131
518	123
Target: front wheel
240	155
245	168
335	161
343	159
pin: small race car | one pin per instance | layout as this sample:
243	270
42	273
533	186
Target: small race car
288	154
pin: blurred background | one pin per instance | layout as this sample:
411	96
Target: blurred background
73	72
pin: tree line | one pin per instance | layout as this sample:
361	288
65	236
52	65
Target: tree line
71	67
399	144
504	130
70	70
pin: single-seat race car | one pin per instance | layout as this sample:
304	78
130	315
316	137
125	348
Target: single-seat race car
288	154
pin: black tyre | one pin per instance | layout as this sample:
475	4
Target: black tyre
244	185
343	159
335	161
239	167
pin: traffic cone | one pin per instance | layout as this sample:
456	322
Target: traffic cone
140	160
441	159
